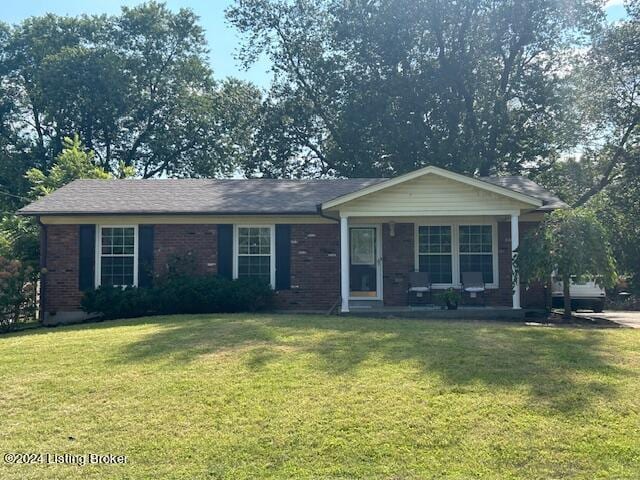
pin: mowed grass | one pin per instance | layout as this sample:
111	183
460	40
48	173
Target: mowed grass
234	397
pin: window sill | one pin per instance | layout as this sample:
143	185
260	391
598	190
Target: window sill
442	286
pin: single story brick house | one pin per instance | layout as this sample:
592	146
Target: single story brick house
319	243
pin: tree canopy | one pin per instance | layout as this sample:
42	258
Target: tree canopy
368	88
603	176
609	79
73	162
136	88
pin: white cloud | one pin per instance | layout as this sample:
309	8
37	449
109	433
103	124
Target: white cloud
613	3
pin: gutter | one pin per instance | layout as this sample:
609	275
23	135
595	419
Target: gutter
120	213
324	215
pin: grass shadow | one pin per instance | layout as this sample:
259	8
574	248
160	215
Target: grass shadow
562	369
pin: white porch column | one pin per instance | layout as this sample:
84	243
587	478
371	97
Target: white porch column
515	241
344	263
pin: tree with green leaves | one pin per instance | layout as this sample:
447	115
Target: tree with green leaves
368	88
603	176
618	208
18	235
569	243
18	297
136	87
608	85
72	163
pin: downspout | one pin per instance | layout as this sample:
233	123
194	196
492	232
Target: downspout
337	220
43	269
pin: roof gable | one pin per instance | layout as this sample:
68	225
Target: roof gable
431	170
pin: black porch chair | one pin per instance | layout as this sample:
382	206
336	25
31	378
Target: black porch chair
419	284
473	284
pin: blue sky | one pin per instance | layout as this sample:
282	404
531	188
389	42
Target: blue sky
223	39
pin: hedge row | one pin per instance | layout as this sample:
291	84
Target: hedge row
204	294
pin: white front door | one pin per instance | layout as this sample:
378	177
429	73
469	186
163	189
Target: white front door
365	262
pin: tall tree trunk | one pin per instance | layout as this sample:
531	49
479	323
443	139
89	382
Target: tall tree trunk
107	161
566	292
42	152
618	155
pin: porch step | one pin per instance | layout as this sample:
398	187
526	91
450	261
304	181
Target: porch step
365	304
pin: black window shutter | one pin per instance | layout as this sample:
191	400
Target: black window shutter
145	255
225	250
283	257
87	260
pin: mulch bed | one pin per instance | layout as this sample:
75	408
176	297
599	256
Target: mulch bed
556	319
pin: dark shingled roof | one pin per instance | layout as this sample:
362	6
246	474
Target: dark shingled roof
222	197
184	196
528	187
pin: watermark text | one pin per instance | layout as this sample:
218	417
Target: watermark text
64	458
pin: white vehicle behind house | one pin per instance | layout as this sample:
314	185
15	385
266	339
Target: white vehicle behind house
584	294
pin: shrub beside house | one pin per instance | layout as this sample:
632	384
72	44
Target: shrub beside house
180	294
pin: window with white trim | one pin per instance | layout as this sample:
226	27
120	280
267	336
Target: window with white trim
117	252
476	250
255	256
435	252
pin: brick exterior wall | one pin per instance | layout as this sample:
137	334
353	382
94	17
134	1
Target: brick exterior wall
503	295
61	284
315	268
315	264
397	261
534	295
194	246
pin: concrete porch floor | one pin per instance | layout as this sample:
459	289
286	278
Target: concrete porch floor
436	312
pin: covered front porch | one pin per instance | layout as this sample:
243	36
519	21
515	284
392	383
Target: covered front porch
449	227
378	254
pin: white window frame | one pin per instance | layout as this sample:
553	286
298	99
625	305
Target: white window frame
236	249
455	247
98	261
452	254
494	248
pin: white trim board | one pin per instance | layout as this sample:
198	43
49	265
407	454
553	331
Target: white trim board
183	219
384	216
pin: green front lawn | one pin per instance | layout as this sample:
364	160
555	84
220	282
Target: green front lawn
232	396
